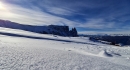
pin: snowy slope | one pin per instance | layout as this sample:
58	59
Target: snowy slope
22	50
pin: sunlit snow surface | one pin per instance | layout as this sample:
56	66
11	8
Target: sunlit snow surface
22	50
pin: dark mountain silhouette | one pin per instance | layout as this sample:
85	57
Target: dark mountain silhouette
51	29
113	40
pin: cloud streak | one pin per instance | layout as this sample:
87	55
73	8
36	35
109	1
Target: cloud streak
86	14
22	15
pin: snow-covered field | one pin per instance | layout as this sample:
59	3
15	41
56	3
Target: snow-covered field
22	50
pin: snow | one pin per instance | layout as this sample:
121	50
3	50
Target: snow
22	50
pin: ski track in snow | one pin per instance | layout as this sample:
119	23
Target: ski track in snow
19	53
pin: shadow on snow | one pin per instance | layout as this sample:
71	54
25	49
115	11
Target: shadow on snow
32	37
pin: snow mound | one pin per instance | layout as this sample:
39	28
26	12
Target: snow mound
104	54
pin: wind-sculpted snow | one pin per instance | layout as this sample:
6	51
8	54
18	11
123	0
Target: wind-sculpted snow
23	53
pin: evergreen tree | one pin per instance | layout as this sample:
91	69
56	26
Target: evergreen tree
73	32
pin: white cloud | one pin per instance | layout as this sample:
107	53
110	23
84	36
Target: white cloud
35	16
99	23
59	11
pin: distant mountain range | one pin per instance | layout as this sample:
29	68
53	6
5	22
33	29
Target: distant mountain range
90	35
50	29
113	40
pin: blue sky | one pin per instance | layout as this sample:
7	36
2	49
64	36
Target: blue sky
88	16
